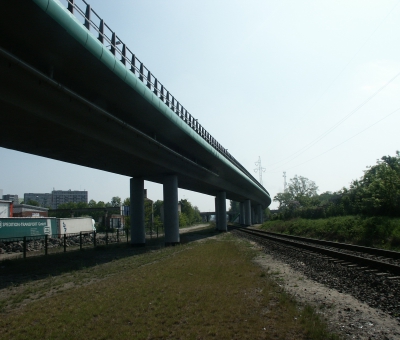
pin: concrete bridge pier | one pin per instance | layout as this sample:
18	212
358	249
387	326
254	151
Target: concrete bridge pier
241	218
138	237
247	212
253	216
260	214
222	222
216	213
171	214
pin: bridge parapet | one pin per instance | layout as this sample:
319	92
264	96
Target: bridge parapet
96	25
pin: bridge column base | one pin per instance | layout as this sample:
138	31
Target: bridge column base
138	235
171	215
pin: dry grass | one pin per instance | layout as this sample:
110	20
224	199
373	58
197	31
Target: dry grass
196	291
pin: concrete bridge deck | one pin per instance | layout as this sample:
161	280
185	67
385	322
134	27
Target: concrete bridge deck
66	95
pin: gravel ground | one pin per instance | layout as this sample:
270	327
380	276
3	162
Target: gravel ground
355	304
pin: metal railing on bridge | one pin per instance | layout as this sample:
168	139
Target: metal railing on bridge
92	21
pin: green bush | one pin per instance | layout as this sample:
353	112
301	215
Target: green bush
375	231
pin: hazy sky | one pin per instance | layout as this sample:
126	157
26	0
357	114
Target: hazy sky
309	86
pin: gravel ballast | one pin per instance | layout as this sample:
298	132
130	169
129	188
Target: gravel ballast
356	303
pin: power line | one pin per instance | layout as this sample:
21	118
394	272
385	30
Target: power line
312	143
398	109
334	80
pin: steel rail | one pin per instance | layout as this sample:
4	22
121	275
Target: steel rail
362	249
329	252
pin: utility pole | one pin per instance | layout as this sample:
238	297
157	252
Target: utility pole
284	181
260	169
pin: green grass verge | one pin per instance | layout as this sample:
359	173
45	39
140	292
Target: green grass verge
382	232
201	290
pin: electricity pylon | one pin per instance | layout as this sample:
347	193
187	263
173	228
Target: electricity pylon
260	169
284	181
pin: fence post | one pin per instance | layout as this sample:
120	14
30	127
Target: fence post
113	43
71	6
94	239
65	243
87	17
80	240
117	235
24	247
123	57
106	238
148	80
133	64
46	243
101	31
141	71
127	235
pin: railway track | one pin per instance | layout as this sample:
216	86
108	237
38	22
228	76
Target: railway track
369	277
383	261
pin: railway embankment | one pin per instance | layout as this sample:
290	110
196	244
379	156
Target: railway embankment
359	302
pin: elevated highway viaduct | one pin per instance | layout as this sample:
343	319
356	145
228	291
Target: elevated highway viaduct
71	90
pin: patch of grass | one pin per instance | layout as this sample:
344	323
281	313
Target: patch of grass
204	290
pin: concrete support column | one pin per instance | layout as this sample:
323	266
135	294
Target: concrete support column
171	215
260	214
241	206
222	222
138	236
253	217
216	213
247	212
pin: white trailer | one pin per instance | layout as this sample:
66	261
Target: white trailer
75	225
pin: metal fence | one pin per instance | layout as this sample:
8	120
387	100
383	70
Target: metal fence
45	244
92	21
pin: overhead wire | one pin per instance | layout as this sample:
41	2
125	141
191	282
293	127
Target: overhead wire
342	120
306	147
368	127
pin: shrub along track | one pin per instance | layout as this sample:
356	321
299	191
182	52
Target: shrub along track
359	274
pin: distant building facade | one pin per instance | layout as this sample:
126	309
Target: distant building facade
57	197
13	198
66	196
44	200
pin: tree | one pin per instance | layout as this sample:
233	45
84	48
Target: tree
283	198
234	207
303	190
92	204
189	214
157	208
115	201
148	213
32	202
100	204
127	201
